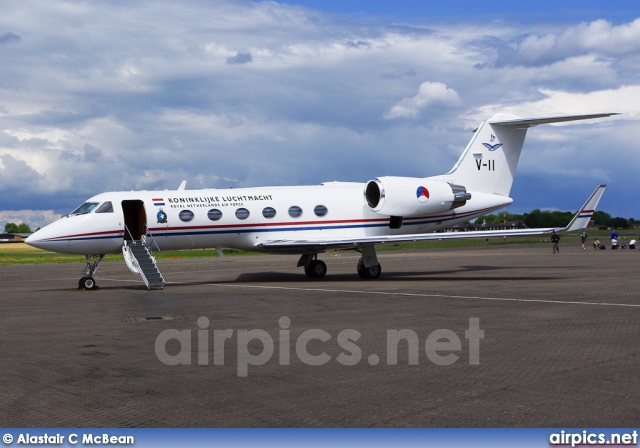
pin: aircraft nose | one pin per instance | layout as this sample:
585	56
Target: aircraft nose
34	240
45	238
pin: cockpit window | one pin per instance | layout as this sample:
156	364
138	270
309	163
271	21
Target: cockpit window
84	208
105	208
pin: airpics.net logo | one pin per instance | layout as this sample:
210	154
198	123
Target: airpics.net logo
591	438
257	347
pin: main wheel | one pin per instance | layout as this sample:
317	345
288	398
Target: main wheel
370	273
316	269
374	272
362	272
87	283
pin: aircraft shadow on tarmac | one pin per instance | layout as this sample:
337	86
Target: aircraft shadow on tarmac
442	275
462	274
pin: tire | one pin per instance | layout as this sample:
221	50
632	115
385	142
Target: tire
316	269
362	272
373	272
370	273
87	283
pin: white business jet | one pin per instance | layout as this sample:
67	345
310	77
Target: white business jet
306	220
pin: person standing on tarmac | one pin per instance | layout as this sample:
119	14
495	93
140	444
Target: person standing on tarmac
614	240
583	237
555	239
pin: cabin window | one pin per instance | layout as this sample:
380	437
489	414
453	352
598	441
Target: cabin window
107	207
295	211
269	212
320	210
242	213
186	215
214	214
85	208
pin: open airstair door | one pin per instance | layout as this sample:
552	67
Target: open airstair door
135	251
135	219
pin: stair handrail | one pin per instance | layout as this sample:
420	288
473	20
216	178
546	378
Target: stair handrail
153	240
126	229
130	259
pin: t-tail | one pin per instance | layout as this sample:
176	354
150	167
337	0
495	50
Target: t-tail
488	164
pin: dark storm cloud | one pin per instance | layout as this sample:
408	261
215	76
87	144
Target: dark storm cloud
240	58
7	38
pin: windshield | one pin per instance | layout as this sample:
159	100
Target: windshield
84	208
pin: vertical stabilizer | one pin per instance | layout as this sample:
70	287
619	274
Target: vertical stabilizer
488	164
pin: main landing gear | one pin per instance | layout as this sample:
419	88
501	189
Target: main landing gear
87	282
313	267
370	273
368	267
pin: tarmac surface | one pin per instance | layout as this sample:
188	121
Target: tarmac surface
559	348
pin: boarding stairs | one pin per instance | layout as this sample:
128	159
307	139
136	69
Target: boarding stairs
140	261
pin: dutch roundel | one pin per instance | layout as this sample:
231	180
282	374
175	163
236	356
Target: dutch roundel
422	194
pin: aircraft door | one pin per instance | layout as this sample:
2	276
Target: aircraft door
135	219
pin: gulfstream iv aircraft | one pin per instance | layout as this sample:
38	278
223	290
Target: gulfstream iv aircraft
307	220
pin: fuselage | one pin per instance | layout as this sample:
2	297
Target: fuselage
240	218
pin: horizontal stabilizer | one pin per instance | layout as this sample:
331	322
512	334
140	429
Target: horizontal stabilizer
529	122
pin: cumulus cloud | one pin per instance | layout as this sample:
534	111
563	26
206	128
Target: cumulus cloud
429	94
621	100
600	36
34	218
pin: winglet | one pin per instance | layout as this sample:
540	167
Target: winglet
581	220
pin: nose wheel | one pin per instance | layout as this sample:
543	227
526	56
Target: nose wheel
87	283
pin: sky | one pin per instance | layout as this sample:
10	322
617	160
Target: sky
124	95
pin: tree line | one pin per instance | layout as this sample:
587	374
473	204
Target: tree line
539	218
11	227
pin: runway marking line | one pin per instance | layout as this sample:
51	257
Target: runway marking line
409	294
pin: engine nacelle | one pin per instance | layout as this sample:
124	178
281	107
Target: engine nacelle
412	196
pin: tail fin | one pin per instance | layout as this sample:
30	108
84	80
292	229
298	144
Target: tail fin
488	164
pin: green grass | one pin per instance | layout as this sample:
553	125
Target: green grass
20	253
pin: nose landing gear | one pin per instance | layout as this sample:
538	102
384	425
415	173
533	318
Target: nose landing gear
87	282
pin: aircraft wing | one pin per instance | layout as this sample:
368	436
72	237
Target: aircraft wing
579	222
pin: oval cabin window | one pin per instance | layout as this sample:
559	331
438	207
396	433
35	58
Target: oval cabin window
186	215
320	210
295	211
269	212
242	213
214	214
